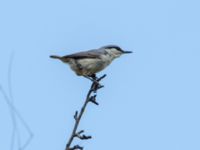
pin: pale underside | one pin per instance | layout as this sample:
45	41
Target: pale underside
89	62
87	66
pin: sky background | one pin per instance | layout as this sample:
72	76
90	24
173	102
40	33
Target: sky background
151	98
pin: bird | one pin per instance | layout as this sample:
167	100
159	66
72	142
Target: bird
88	63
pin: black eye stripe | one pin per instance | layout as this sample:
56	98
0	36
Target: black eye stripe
116	47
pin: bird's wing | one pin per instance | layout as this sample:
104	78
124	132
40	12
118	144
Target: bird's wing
86	54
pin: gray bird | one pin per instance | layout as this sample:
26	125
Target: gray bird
88	63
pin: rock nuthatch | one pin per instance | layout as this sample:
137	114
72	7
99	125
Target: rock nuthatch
88	63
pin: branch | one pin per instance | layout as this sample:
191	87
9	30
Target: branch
15	114
77	116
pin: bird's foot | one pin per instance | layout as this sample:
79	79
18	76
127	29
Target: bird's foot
92	78
96	85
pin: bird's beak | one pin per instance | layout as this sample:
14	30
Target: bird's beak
127	52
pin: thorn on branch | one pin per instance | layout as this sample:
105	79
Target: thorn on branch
76	115
99	79
99	87
93	100
80	132
82	137
85	137
76	147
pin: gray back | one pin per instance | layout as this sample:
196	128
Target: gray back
95	53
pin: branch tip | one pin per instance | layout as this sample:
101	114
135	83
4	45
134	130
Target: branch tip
94	102
100	78
80	132
76	115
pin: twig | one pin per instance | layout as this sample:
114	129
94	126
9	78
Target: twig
13	108
77	116
15	130
15	113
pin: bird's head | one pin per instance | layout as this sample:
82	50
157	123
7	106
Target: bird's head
115	50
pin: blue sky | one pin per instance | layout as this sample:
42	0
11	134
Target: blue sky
151	98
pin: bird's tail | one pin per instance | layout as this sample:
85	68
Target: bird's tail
63	59
55	57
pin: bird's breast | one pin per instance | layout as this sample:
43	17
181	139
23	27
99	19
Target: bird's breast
89	66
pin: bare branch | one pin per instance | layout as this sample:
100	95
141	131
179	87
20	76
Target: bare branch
89	98
15	130
14	112
12	107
